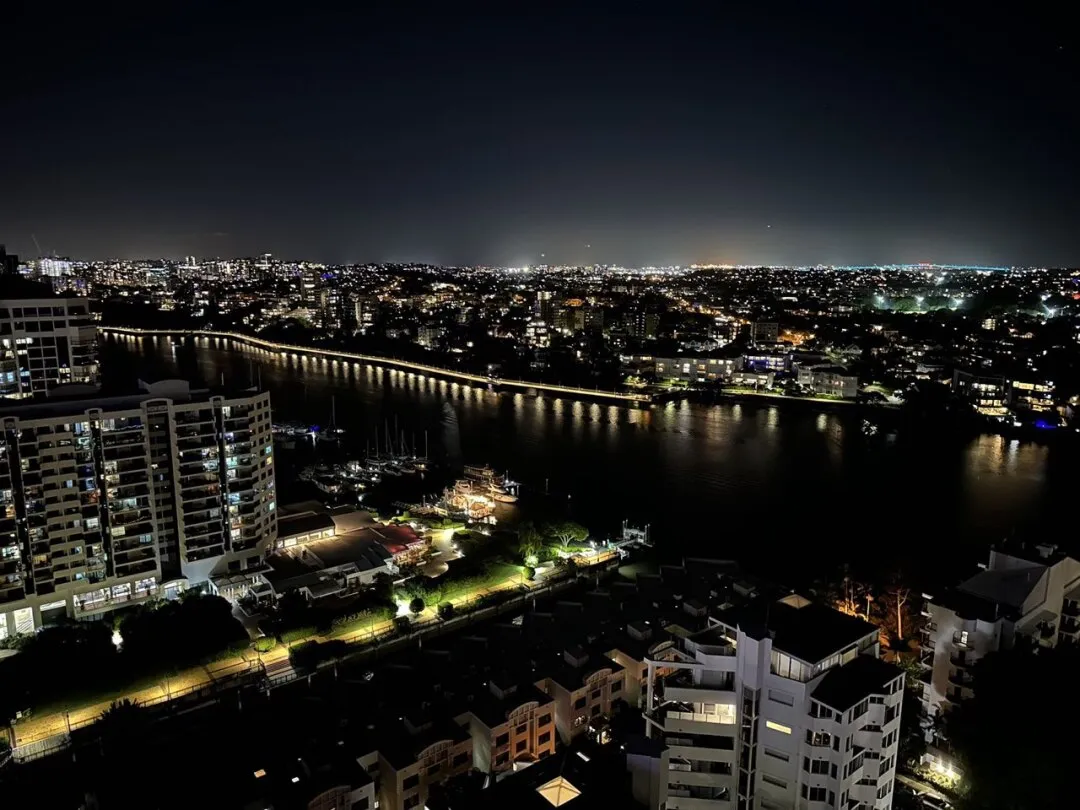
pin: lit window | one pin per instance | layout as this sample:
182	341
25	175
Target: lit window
778	727
259	774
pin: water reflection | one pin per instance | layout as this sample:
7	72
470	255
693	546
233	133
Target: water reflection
735	480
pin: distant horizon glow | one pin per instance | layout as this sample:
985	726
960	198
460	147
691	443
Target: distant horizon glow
560	138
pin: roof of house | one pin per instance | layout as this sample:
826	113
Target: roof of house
571	779
303	523
396	539
844	686
357	548
572	678
402	747
492	710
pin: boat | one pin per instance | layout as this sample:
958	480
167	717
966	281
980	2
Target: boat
333	432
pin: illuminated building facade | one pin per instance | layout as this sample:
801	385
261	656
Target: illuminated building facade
113	500
776	705
45	341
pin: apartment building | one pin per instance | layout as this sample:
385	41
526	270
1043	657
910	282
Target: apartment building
45	340
111	500
427	753
583	687
779	704
697	368
831	380
987	393
509	724
633	649
1023	592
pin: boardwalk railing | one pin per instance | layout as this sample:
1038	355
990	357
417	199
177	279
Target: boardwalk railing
390	362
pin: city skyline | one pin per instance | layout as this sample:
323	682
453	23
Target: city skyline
832	137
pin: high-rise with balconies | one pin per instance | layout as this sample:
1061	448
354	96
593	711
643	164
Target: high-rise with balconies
45	340
118	499
778	704
1026	594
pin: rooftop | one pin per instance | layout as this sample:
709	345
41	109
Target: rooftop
1009	587
303	523
20	288
492	710
844	686
572	779
402	747
805	630
357	548
572	678
82	398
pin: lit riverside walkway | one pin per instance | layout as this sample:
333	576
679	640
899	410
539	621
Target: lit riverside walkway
41	727
420	368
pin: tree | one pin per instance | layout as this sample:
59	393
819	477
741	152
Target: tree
122	725
568	533
1015	757
416	606
530	541
897	597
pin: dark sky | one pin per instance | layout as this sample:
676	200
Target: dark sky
833	134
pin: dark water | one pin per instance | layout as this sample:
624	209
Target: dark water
778	487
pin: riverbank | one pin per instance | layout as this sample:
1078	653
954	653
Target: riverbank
338	355
43	732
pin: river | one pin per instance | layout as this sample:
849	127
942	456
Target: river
785	489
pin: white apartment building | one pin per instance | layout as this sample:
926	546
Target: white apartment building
697	368
45	340
1031	592
117	499
779	705
834	381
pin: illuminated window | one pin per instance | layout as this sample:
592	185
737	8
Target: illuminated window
778	727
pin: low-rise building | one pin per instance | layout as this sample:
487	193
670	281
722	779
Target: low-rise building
753	378
696	368
583	687
423	753
986	393
1032	395
829	380
509	724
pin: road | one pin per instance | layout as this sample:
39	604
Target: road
919	786
40	727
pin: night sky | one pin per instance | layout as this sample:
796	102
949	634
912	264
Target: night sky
839	136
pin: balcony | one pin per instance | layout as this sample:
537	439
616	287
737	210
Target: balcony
962	641
960	660
960	678
699	798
